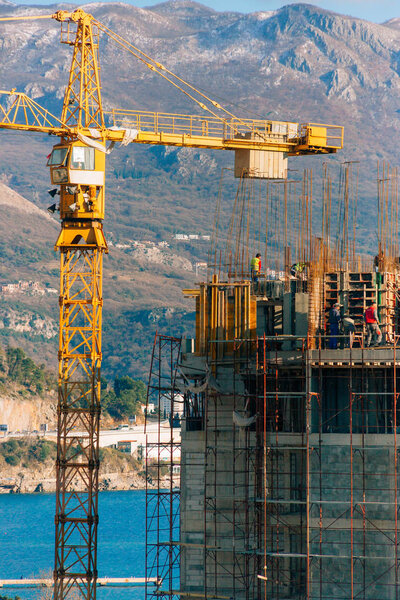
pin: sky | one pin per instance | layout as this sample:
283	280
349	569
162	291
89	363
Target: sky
377	11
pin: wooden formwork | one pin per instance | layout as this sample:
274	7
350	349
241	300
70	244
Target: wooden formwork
224	311
355	291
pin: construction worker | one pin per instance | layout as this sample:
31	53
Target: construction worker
298	269
255	268
372	323
349	329
334	322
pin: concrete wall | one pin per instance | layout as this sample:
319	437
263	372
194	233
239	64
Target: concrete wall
357	516
218	524
336	490
352	513
192	511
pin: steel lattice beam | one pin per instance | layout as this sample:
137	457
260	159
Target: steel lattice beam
78	423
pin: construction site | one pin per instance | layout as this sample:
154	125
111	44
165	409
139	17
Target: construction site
286	482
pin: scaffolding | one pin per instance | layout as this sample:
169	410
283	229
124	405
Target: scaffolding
332	508
296	495
162	459
289	452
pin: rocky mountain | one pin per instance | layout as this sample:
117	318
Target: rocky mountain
27	413
314	58
298	63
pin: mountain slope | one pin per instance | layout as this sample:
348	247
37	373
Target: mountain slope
297	63
29	318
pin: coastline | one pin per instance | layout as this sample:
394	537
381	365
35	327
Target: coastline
28	466
35	471
31	484
38	482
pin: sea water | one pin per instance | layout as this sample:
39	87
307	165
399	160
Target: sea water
27	541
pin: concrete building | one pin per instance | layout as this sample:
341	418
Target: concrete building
134	439
166	409
289	458
289	482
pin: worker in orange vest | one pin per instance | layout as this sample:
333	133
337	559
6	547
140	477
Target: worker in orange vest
372	324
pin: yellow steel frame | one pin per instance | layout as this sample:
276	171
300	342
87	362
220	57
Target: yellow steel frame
18	111
82	244
82	102
81	302
199	131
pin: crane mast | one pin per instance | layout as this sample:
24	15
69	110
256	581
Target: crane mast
77	166
82	245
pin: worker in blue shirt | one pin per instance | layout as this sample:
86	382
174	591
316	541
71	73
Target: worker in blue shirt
334	322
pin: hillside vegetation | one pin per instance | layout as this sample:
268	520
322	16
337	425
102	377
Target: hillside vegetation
20	377
19	373
28	466
124	398
15	366
27	454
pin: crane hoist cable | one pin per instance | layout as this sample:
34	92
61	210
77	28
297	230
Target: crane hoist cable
109	31
158	67
161	70
226	132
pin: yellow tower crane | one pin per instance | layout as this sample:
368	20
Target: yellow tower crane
77	166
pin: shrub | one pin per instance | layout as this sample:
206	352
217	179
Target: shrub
12	459
16	450
41	450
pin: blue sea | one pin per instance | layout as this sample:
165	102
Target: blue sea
27	540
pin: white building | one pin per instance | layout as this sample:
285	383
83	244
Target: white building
150	408
134	439
165	405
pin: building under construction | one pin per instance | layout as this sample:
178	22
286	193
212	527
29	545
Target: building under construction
285	485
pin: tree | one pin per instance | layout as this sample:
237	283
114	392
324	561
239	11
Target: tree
24	371
125	398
